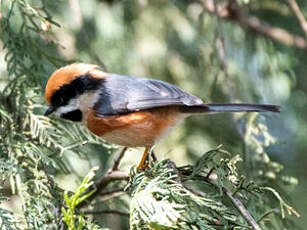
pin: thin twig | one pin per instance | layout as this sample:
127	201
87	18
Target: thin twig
109	177
103	182
210	172
240	206
101	212
112	175
236	202
153	156
232	12
299	15
275	210
117	159
193	190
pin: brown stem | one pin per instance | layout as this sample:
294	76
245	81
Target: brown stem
232	12
153	156
112	175
117	159
103	183
237	203
240	206
299	15
275	210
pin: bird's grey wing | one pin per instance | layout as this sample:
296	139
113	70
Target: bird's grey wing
124	94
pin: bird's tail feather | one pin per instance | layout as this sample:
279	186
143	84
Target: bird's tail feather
220	108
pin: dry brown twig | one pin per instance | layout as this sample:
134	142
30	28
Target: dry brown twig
112	175
118	159
240	206
299	15
232	12
236	202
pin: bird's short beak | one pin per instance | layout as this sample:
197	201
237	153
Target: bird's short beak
50	110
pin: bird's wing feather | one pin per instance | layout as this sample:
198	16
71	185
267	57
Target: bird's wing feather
123	94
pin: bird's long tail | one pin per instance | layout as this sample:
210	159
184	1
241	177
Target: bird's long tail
232	107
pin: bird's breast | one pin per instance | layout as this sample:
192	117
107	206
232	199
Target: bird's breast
136	129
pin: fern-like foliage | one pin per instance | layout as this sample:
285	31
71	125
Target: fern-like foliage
161	201
209	195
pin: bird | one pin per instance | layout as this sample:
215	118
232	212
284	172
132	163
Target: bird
126	110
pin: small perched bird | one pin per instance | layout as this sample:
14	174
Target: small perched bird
125	110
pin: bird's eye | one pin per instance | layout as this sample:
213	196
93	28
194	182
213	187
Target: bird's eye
58	98
58	101
61	100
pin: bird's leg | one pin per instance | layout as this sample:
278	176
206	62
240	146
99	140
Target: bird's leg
142	164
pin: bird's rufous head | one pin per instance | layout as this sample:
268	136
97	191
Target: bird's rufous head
64	76
66	85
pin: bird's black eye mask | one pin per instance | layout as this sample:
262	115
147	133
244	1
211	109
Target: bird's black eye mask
76	87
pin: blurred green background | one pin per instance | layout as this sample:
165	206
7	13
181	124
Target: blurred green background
176	41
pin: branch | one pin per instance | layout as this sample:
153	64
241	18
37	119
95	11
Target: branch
236	202
232	12
275	210
112	175
299	15
118	159
103	182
